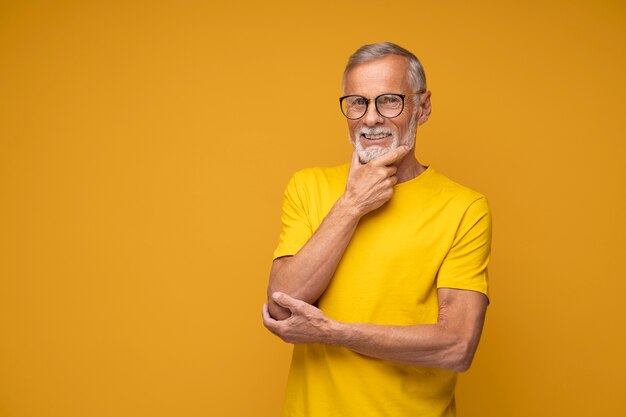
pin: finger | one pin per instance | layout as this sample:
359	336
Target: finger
391	157
267	318
269	323
391	170
266	314
286	301
355	162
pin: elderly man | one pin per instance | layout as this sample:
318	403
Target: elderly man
380	275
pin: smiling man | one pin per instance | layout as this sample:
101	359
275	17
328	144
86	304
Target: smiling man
380	274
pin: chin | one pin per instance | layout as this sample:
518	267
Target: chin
367	153
372	152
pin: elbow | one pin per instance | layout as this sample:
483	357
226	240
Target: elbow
279	278
462	365
276	311
460	357
282	285
278	283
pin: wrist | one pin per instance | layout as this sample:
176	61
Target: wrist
336	333
346	206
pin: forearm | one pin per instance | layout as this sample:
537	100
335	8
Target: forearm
307	274
430	345
448	344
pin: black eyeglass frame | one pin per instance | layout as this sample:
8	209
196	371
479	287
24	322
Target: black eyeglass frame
402	96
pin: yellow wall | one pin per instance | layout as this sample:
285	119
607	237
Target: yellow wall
144	147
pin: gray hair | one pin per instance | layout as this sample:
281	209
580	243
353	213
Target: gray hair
374	51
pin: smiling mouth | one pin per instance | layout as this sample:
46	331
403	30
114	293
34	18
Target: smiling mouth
377	136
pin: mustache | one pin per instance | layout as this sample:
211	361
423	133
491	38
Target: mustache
365	130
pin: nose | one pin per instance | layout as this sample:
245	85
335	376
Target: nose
372	117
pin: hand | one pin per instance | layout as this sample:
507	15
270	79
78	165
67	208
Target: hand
370	185
307	323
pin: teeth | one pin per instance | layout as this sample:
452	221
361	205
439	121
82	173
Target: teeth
377	136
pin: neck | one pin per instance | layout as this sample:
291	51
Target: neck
409	168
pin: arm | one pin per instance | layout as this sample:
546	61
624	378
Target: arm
306	275
448	344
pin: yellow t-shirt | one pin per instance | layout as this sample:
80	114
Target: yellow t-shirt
433	233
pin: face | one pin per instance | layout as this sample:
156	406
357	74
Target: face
374	135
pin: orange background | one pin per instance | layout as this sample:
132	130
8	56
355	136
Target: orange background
144	148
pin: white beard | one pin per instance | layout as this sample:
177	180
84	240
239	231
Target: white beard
374	151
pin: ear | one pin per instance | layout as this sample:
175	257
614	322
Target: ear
425	108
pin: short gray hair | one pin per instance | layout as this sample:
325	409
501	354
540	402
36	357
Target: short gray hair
374	51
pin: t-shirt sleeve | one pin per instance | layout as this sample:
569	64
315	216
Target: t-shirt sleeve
465	266
296	225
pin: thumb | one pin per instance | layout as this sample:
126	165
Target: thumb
285	300
391	157
402	152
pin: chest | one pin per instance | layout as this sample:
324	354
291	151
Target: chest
388	272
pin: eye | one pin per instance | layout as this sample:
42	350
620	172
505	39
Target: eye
390	100
357	101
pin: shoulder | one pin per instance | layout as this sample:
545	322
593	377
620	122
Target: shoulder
317	188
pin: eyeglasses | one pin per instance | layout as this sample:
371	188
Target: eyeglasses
387	105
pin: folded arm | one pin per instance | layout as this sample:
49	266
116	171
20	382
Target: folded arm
448	344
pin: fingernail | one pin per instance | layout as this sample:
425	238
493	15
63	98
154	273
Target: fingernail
275	295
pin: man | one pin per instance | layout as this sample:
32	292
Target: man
380	276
